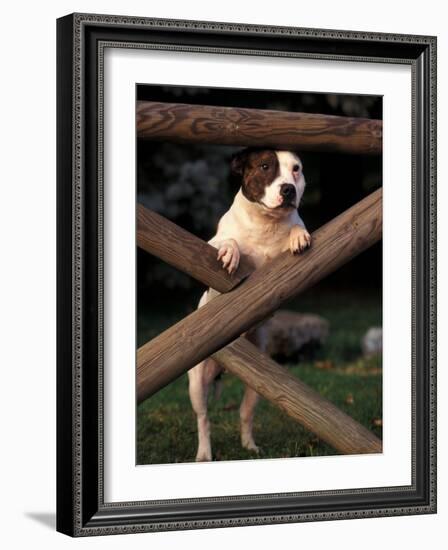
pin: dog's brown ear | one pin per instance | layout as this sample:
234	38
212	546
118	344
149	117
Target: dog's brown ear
238	162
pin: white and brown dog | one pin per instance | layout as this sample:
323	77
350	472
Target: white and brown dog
262	222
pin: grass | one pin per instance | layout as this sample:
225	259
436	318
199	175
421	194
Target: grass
166	425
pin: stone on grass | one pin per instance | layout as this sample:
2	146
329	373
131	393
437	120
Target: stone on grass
292	335
372	342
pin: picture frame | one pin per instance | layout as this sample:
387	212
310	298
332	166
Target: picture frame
81	506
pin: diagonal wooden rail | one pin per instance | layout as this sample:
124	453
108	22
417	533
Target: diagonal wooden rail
299	401
184	251
183	123
222	320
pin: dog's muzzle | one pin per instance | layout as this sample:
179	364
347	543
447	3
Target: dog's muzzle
288	194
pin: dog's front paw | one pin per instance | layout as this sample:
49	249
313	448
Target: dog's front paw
229	255
299	239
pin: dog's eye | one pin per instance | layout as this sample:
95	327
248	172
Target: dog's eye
295	168
264	166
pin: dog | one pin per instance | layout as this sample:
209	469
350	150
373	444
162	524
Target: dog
262	222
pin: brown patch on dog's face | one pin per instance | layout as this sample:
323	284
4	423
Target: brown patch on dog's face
257	169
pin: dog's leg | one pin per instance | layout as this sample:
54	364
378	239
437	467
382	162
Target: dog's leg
198	389
200	379
247	410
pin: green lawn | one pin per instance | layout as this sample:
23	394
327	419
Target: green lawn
166	425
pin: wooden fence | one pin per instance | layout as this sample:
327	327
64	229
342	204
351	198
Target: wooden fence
251	127
248	297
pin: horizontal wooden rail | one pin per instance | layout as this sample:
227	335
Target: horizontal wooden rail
299	401
181	249
226	317
184	123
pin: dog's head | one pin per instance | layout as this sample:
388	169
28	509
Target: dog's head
272	179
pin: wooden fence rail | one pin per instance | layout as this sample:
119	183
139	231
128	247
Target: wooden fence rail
222	320
182	250
184	123
298	400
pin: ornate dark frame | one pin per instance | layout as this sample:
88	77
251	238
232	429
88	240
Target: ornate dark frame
81	39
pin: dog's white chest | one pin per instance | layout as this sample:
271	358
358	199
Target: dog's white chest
259	236
262	246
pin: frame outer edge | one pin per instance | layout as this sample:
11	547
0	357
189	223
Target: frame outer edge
433	273
69	454
247	28
65	368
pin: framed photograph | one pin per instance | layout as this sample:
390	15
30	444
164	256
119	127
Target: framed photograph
246	274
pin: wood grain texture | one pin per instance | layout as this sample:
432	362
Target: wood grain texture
182	250
184	123
222	320
296	399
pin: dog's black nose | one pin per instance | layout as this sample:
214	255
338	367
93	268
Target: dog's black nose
288	191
